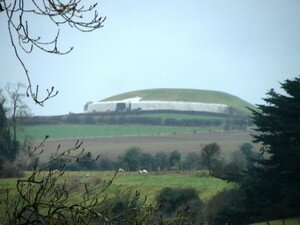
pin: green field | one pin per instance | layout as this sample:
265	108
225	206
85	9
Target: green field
293	221
150	184
147	184
65	131
187	95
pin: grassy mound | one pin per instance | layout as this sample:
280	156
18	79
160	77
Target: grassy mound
186	95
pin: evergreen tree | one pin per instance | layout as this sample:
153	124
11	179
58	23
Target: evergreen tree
277	178
7	149
269	187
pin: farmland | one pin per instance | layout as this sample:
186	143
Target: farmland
150	139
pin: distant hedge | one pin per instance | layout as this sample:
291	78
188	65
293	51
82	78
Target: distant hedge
239	123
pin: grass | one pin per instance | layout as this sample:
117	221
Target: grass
150	184
188	95
65	131
291	221
7	183
147	184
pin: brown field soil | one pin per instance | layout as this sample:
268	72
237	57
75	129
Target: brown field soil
115	146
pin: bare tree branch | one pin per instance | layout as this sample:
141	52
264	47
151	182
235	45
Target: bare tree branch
70	12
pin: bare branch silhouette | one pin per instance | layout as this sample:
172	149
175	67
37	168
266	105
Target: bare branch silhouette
70	12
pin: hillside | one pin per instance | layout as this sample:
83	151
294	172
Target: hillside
186	95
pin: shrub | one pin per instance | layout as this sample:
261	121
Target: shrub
8	169
230	207
173	200
127	206
105	163
215	207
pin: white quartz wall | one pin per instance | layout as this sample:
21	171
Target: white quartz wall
161	105
102	107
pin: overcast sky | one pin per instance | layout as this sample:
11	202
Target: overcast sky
240	47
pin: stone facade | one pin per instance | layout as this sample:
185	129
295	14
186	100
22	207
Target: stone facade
136	104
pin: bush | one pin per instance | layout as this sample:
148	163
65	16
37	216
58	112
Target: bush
230	207
105	163
173	200
215	207
8	169
124	206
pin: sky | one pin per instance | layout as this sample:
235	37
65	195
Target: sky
244	48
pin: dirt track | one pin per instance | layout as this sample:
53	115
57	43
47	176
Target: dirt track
114	146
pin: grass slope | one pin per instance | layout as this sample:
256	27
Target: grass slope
186	95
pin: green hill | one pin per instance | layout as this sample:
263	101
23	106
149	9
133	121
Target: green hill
186	95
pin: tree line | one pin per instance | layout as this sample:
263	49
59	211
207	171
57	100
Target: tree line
208	157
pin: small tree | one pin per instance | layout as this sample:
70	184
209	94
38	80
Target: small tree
209	154
174	159
131	158
146	161
192	161
7	147
17	107
161	161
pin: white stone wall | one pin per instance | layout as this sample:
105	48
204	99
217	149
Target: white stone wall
180	106
160	105
102	107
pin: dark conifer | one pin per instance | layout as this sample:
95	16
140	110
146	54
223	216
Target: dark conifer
278	130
